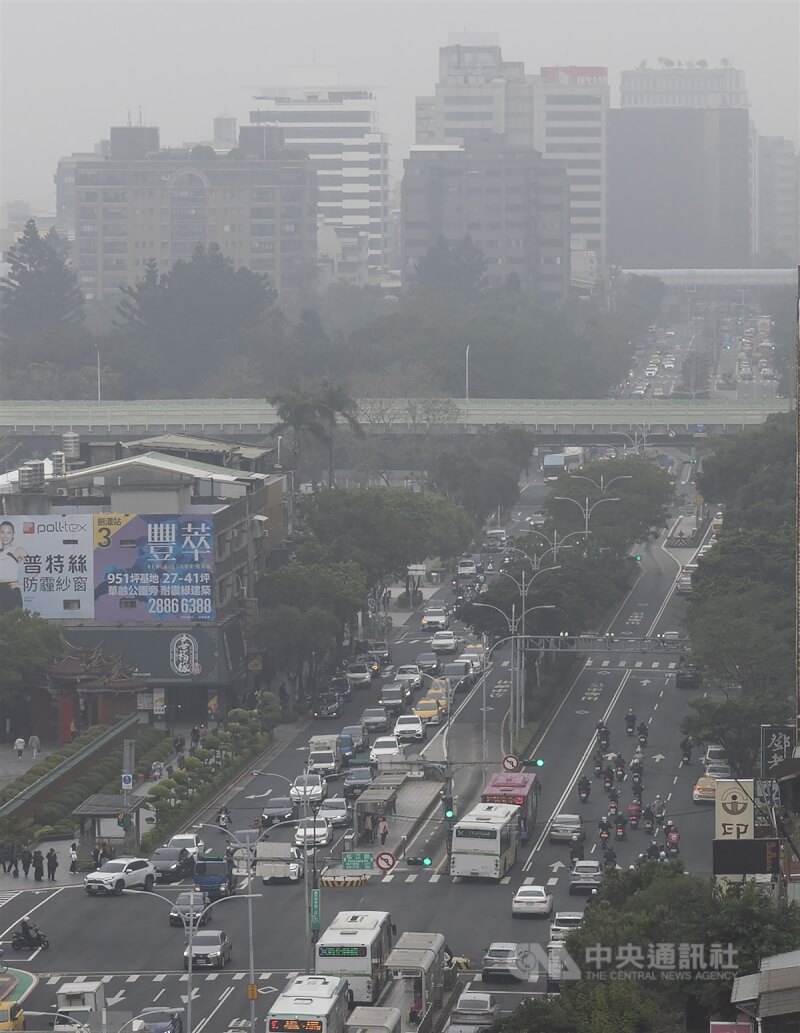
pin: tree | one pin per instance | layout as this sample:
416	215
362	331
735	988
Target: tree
734	722
298	412
27	644
332	401
340	589
448	275
41	301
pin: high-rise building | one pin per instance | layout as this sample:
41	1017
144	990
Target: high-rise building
224	132
562	112
679	188
689	85
145	203
338	129
778	201
570	123
512	203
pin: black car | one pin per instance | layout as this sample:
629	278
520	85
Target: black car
375	719
172	864
688	677
277	808
459	675
356	781
341	686
328	705
393	698
428	663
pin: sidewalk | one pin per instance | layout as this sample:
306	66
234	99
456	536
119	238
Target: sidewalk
12	767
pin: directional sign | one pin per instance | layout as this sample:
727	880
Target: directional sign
113	999
127	780
386	861
315	910
658	757
358	859
510	762
262	796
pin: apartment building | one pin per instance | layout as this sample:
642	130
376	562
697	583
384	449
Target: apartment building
778	192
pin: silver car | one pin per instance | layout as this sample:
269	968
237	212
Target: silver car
335	809
211	948
309	788
585	877
506	959
564	826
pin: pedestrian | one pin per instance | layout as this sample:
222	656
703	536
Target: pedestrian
195	735
38	865
34	745
14	861
52	864
9	853
202	730
19	746
2	857
96	856
73	730
383	829
369	827
26	857
73	859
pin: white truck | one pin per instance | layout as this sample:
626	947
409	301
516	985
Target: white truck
324	755
278	862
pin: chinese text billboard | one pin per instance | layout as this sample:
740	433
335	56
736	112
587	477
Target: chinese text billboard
153	567
46	565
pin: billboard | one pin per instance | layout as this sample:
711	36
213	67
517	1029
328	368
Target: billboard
734	809
46	565
777	745
156	567
747	857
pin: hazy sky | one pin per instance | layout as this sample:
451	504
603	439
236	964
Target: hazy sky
71	69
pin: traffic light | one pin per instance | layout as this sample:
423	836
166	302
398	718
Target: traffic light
534	762
448	807
638	557
121	819
425	862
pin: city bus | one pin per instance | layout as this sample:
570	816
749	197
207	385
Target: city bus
311	1004
520	789
485	842
355	947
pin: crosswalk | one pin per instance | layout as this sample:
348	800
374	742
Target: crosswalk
9	895
650	665
159	977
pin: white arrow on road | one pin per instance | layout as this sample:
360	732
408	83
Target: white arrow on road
259	796
113	999
646	681
554	867
581	711
485	710
658	757
185	997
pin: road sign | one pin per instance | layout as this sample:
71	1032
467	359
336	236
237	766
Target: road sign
127	780
358	859
777	744
252	991
510	762
734	810
315	910
386	861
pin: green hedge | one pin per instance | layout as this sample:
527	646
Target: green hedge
46	764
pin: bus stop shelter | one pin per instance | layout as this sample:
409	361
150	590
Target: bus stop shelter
110	805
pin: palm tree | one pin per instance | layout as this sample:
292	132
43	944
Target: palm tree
298	411
332	401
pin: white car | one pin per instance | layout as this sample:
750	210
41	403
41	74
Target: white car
444	642
532	900
309	788
313	832
435	620
563	924
409	726
384	747
123	873
410	674
187	841
335	809
473	659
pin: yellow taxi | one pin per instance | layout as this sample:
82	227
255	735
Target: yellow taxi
11	1015
428	711
704	790
440	693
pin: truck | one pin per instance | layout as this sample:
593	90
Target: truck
553	465
214	877
574	458
278	862
324	755
80	1007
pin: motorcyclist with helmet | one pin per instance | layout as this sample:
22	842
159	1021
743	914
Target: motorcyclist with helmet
630	721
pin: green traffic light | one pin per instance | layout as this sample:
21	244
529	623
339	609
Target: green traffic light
638	557
539	762
427	862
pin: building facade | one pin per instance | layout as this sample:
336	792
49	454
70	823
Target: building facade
691	85
338	129
145	203
512	203
679	188
562	113
778	192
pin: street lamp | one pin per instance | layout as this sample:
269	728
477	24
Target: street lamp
586	509
97	346
466	386
188	933
601	487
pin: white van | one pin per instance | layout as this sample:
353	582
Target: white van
466	568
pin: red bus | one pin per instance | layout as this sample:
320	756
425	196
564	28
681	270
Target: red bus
518	788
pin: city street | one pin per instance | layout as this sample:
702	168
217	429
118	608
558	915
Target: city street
128	941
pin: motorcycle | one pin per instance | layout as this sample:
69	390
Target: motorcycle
613	807
619	771
673	843
642	739
37	940
634	820
649	826
619	832
686	757
583	795
608	782
636	778
629	729
223	820
598	768
604	839
660	817
637	793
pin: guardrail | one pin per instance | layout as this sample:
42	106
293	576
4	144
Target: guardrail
252	416
30	793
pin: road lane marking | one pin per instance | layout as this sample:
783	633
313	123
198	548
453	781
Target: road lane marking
553	881
434	878
387	878
222	999
411	878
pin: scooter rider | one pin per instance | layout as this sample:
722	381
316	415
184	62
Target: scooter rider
630	721
28	931
643	730
659	809
608	774
584	785
686	749
653	851
576	849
